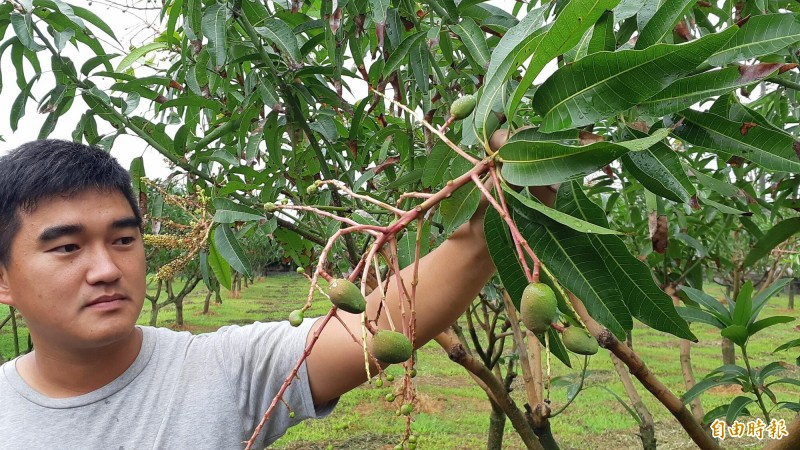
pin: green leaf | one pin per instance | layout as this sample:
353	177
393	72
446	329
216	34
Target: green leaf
228	246
175	9
710	303
602	39
736	333
662	22
459	207
743	306
757	326
437	165
215	26
761	35
401	52
18	107
760	300
279	33
220	267
138	53
565	32
604	84
537	163
788	345
137	173
660	171
768	148
776	235
228	211
643	298
473	39
687	91
694	315
736	407
558	216
705	385
577	265
507	56
23	28
721	187
379	8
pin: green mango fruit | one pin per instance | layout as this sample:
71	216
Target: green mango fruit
577	340
391	347
346	296
296	317
538	307
463	107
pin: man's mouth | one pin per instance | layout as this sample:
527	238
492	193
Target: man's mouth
106	301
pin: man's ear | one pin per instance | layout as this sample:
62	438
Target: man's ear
5	287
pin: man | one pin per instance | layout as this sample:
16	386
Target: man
72	263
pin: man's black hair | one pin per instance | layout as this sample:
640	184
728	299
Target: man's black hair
43	169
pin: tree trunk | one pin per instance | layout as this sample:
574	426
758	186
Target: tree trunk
686	362
207	301
792	290
154	314
497	425
728	351
15	331
179	312
647	430
217	297
543	430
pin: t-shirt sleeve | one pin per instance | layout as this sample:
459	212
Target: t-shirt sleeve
257	359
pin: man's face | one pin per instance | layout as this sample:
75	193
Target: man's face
77	271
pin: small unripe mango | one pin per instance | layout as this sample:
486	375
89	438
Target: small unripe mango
463	107
296	317
406	409
538	307
578	340
346	296
391	347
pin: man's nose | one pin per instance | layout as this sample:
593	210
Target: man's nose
103	267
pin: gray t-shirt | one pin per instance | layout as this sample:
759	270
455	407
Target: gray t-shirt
183	391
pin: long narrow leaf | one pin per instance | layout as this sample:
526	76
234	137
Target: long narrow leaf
604	84
229	248
537	163
761	35
566	31
776	235
768	148
643	298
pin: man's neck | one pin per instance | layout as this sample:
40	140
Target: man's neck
60	374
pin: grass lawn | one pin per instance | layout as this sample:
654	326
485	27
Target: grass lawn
453	411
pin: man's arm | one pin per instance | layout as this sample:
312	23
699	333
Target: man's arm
450	278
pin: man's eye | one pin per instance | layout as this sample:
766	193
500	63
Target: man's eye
127	240
68	248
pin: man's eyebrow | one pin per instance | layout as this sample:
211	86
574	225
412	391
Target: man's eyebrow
128	222
56	232
59	231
